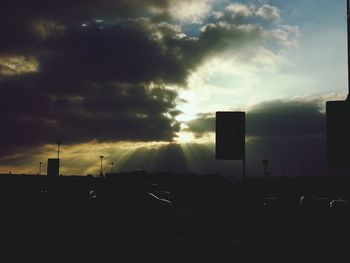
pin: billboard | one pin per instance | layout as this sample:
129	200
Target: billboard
230	135
338	134
53	167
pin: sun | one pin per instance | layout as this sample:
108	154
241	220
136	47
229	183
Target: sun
189	105
185	137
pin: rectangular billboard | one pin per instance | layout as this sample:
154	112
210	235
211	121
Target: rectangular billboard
338	134
230	135
53	167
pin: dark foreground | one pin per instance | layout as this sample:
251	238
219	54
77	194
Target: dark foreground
181	220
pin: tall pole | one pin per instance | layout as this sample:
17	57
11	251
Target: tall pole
40	168
112	163
101	173
244	167
265	163
348	43
348	31
58	149
244	149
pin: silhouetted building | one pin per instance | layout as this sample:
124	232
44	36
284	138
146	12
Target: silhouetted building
53	167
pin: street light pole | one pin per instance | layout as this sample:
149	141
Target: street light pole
112	163
58	149
101	173
40	168
265	163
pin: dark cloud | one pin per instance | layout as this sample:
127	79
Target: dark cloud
102	79
32	116
129	47
93	83
293	119
203	124
133	50
287	133
124	53
290	134
23	24
281	120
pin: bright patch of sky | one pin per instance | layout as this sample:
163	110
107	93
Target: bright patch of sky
314	64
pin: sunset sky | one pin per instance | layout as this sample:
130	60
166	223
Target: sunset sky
140	81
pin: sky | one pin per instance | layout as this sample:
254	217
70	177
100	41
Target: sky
139	82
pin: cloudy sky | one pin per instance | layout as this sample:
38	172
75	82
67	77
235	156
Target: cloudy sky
140	81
